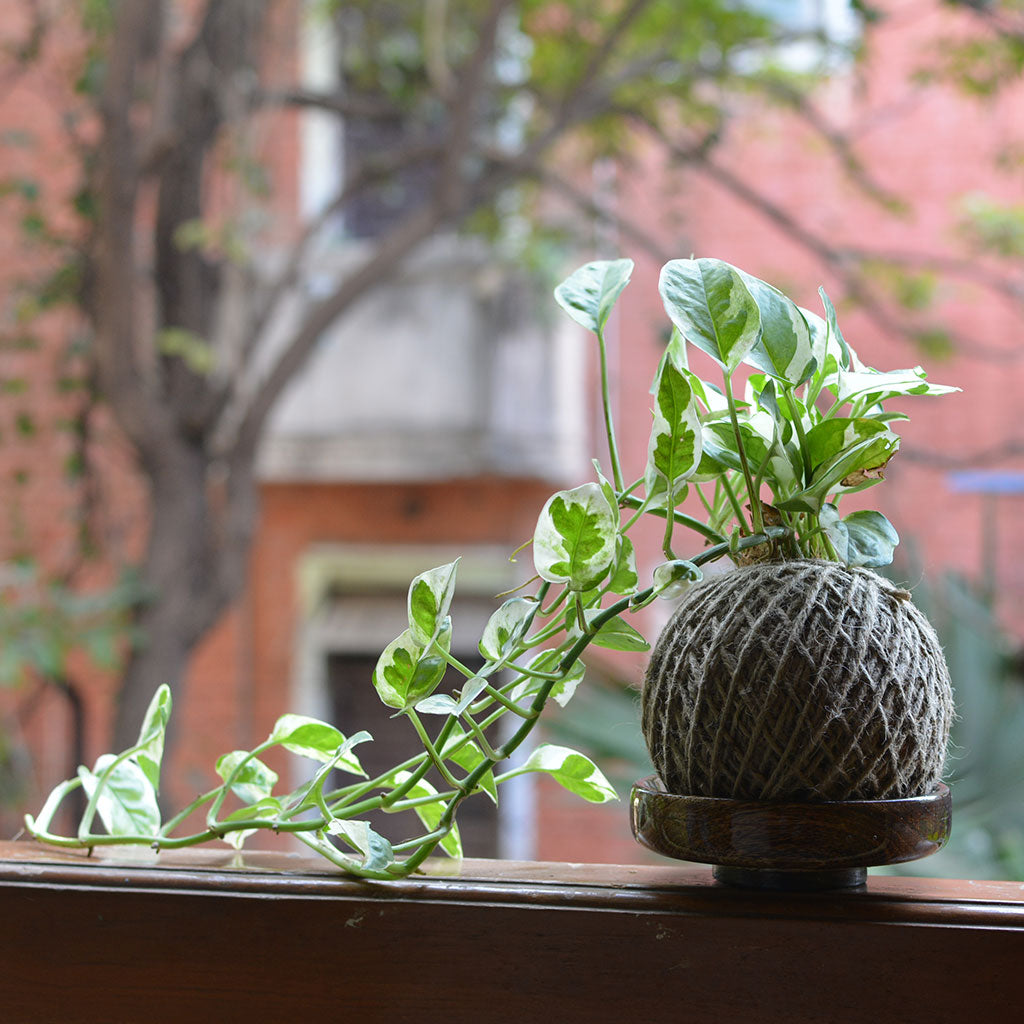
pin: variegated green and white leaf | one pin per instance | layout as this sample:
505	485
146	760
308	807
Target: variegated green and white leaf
624	577
827	439
317	740
506	627
254	780
375	849
430	598
708	301
836	342
874	386
785	349
672	579
571	769
872	539
126	800
150	746
431	813
673	452
589	293
408	671
574	542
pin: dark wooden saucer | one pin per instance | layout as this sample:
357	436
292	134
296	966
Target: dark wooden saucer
788	845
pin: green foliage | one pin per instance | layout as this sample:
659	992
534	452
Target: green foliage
42	624
811	426
993	227
986	759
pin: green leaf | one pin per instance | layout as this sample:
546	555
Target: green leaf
589	294
835	340
872	539
624	577
151	736
431	813
671	579
563	690
827	439
267	808
571	769
408	671
617	635
127	799
785	349
254	782
319	741
710	304
782	468
468	756
852	469
505	628
874	386
674	449
438	704
376	850
575	539
430	598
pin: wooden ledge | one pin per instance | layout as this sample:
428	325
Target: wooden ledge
208	934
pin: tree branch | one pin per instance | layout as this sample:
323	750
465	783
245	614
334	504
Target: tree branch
389	253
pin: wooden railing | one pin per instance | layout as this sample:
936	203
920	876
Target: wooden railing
206	936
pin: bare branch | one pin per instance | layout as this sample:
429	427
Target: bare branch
371	171
338	103
389	253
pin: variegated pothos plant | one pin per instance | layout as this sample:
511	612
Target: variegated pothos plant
808	424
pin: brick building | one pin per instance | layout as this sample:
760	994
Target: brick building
388	457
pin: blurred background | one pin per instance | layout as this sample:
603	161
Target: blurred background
276	335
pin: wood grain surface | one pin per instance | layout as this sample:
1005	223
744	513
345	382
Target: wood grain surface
212	936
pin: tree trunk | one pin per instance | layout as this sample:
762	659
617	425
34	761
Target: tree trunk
193	568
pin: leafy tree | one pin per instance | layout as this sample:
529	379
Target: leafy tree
467	109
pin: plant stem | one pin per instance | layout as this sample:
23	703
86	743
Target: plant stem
737	510
755	499
798	425
609	426
680	517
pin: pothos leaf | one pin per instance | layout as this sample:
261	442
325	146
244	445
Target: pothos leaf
624	577
407	671
671	579
785	349
872	539
431	813
836	342
574	542
618	635
430	598
505	628
319	741
254	781
827	439
126	802
571	769
151	736
589	294
376	850
710	304
673	452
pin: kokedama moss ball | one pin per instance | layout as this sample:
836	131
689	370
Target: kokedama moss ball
800	680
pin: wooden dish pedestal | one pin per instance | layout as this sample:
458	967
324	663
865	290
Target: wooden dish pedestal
791	846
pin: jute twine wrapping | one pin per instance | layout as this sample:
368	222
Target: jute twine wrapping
797	680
